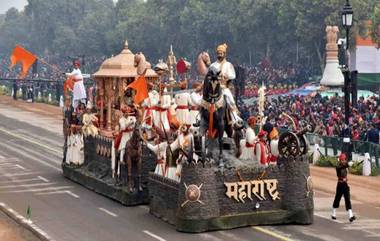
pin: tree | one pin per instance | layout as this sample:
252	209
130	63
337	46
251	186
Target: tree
375	26
13	30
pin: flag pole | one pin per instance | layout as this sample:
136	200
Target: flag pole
52	66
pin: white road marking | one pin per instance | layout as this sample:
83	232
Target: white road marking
50	193
26	185
154	235
9	167
31	141
10	160
37	189
21	167
2	157
20	180
5	164
43	179
362	228
19	174
108	212
72	194
323	215
30	157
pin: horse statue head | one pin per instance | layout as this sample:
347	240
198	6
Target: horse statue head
203	62
141	64
212	86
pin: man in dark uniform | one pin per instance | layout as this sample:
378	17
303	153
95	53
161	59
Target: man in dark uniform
15	89
342	188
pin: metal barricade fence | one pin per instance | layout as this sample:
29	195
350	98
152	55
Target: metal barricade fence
336	143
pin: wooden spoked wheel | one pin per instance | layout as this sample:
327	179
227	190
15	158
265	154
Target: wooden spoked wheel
289	145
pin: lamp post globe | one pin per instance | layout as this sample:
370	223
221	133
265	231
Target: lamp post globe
347	15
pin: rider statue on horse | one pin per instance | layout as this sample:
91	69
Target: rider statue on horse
219	112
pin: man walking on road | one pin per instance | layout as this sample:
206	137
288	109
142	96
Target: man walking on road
342	188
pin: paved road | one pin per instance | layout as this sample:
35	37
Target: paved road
30	175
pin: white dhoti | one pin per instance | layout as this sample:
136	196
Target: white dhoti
247	145
79	91
77	150
195	101
182	100
274	152
160	151
69	151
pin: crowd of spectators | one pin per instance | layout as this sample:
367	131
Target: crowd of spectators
278	80
326	115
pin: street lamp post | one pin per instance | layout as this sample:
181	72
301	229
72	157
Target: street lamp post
347	20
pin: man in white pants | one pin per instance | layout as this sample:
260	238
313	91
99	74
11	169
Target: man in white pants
79	91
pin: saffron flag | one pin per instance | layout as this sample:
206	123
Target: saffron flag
68	85
26	59
141	88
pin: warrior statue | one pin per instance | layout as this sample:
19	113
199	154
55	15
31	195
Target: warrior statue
226	74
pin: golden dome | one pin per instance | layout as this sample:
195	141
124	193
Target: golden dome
121	65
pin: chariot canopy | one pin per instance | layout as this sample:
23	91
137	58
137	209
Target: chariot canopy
112	78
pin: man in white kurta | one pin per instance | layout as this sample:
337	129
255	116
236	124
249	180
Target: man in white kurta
194	102
163	107
182	101
150	114
248	144
227	70
183	141
160	150
79	91
126	126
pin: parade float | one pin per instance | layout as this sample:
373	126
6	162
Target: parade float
199	168
102	170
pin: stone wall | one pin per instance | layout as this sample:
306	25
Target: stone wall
214	210
96	172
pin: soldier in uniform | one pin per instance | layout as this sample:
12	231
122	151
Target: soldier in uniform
342	188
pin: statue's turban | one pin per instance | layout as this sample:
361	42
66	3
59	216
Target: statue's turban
222	48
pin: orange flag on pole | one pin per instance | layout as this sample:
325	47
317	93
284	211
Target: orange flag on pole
141	88
26	59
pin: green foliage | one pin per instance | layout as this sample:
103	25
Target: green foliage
327	161
284	31
375	26
357	169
